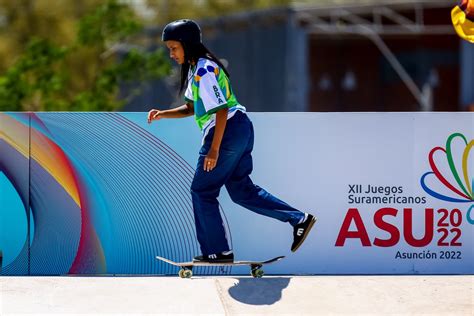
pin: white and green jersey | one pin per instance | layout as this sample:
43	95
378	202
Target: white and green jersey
209	88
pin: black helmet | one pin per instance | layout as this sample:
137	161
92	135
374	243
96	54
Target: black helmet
186	31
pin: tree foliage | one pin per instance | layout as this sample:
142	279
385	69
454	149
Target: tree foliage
75	54
35	80
84	74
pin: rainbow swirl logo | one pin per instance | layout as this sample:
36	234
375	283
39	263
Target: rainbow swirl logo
460	187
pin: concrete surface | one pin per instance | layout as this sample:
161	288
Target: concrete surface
271	295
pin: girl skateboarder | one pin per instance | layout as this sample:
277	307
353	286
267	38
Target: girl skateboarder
228	137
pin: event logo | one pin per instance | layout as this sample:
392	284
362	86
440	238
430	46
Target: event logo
449	180
461	187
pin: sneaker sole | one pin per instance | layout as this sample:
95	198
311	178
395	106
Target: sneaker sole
310	226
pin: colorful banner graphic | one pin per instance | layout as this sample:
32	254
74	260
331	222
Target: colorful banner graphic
104	193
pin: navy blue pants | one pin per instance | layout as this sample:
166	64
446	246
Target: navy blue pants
233	168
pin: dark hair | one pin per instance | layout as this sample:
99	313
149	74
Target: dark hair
192	53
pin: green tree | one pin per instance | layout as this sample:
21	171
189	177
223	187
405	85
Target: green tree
86	74
74	54
22	20
35	81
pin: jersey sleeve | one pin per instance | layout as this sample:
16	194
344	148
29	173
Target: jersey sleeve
210	92
188	94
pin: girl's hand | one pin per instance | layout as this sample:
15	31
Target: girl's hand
153	115
210	161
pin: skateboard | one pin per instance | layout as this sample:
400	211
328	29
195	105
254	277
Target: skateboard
186	268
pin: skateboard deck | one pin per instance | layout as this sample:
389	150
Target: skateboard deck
255	266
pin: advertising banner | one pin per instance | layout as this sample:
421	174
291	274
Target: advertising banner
107	192
14	195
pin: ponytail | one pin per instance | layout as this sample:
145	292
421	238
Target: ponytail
192	52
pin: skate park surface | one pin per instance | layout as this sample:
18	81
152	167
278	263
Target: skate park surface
239	295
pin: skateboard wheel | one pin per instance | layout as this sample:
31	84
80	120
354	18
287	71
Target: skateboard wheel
185	274
257	273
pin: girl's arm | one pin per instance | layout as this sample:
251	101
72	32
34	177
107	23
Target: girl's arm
221	121
184	110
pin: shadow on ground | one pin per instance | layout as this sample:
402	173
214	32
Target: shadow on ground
264	291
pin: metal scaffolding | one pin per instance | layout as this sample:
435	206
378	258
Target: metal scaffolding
374	21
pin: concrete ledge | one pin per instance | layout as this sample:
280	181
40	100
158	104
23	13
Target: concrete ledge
315	295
